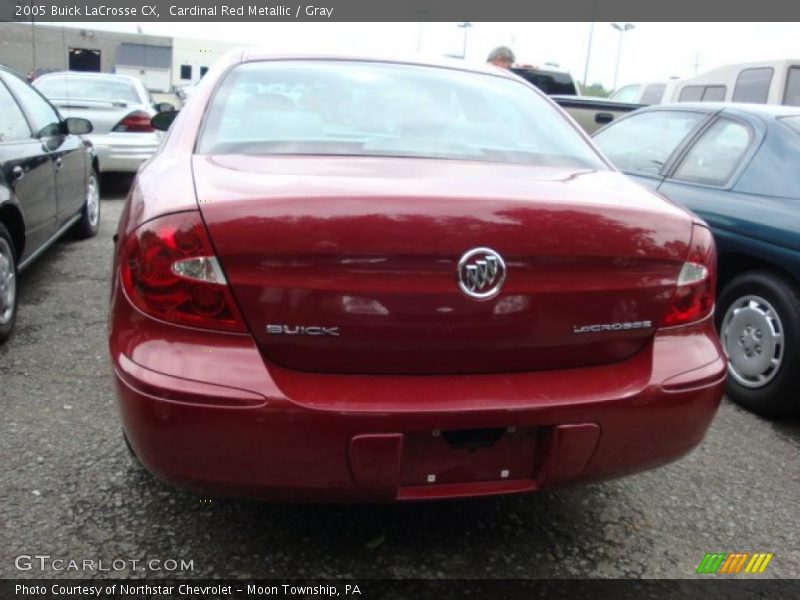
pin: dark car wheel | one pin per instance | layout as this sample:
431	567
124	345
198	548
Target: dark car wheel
89	223
8	284
758	319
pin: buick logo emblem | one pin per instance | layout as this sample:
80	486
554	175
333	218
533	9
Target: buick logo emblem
481	272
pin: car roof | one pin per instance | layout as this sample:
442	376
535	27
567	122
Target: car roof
765	111
256	53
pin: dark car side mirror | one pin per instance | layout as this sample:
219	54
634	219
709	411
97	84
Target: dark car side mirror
163	120
164	107
78	126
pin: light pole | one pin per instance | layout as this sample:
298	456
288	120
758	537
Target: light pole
465	26
589	47
622	29
422	15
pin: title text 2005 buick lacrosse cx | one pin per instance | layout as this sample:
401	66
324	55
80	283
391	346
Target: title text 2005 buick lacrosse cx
360	280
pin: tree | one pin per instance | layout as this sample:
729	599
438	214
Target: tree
596	89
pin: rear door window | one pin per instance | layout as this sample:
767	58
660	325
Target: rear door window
715	156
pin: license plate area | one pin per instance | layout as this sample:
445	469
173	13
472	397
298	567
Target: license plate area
468	455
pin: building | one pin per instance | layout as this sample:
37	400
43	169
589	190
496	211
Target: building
152	64
41	48
192	58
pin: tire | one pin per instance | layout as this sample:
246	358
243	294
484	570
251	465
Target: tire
89	223
9	290
758	319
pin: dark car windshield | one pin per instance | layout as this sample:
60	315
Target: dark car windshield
379	109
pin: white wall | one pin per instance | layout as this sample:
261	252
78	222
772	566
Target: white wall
197	53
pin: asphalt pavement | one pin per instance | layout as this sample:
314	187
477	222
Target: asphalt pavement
69	490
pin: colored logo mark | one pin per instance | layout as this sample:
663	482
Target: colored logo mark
735	562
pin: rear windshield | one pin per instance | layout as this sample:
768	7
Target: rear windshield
88	88
379	109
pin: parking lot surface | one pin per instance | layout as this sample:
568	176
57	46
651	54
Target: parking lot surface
69	490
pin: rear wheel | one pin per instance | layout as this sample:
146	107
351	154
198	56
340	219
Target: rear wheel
8	284
758	319
89	223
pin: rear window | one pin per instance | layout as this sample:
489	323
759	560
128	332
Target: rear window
551	83
379	109
653	93
629	93
88	88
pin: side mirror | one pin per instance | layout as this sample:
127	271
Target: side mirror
163	120
78	126
164	107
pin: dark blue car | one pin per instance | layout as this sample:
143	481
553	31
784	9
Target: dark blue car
738	167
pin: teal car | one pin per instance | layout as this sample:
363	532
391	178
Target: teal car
737	166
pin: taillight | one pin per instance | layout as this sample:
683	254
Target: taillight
169	271
136	122
693	299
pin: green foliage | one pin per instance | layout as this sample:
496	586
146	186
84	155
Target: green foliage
596	89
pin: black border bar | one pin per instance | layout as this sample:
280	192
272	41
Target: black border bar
708	588
398	10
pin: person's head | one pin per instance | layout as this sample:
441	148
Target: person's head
502	57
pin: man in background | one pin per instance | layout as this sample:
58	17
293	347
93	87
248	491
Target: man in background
502	57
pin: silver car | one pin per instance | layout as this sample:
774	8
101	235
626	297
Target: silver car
119	107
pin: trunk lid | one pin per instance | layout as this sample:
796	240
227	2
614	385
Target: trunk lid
369	249
104	114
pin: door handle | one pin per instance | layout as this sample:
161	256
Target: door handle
18	172
603	118
59	163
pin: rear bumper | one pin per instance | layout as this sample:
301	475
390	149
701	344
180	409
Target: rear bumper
124	152
204	411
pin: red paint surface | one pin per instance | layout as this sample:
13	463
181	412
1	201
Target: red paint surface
370	245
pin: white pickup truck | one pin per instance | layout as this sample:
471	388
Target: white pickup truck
764	82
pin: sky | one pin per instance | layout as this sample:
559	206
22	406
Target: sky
649	51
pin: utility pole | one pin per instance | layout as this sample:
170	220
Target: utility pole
696	63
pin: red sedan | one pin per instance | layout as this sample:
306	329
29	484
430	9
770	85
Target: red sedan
371	280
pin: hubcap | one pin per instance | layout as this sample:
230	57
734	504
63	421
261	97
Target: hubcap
93	202
8	282
752	335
